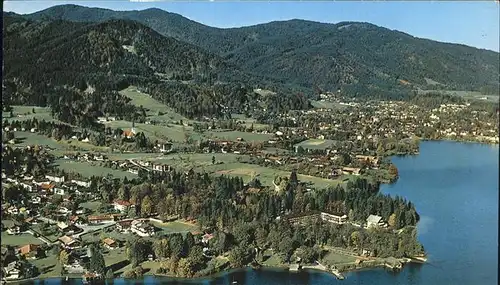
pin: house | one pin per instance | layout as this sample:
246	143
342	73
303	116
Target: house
13	210
129	133
124	225
336	219
60	191
372	160
122	205
101	219
64	210
82	183
134	170
31	220
110	243
69	242
28	187
14	230
164	147
36	200
206	238
47	186
374	221
142	228
55	178
62	226
12	271
31	251
74	220
352	170
75	267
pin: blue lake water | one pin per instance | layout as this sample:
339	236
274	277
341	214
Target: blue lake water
454	187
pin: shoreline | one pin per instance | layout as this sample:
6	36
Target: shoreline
339	274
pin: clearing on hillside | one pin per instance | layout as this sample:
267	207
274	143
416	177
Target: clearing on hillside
155	109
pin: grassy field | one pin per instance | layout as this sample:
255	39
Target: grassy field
248	122
233	135
316	144
88	169
19	240
272	260
28	138
117	260
332	258
48	266
152	106
266	175
175	227
93	205
22	113
327	105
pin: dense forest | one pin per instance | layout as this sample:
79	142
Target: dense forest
359	58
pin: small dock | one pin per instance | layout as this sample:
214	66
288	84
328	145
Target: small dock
419	259
337	274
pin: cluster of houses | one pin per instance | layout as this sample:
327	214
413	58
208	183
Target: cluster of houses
39	191
14	261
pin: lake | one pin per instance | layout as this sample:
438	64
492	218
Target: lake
454	187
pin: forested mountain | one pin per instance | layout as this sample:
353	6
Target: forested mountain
77	68
61	51
359	58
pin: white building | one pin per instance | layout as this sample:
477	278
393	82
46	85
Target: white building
334	218
122	205
55	178
142	228
82	183
374	221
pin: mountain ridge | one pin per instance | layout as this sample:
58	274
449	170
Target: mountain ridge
359	58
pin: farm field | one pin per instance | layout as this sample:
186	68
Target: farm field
88	169
316	144
233	135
